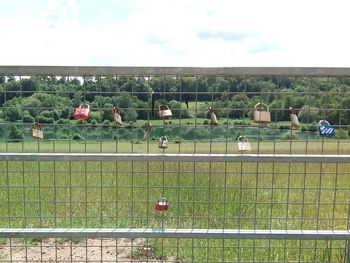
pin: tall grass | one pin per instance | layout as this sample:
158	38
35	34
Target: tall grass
201	195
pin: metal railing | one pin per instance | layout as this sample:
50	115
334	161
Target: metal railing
286	200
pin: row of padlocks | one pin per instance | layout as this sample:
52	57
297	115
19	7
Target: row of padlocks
262	116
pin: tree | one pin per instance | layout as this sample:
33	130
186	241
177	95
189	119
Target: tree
131	115
308	114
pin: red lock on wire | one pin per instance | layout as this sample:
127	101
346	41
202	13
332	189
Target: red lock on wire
162	204
147	249
82	112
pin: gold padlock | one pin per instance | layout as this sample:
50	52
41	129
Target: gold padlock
164	111
243	144
294	118
147	133
163	142
37	131
213	118
262	113
117	117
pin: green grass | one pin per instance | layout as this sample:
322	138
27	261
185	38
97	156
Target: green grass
201	195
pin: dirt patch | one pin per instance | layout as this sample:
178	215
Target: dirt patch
87	250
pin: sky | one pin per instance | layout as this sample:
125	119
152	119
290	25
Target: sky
199	33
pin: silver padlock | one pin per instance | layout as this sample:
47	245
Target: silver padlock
293	118
243	144
164	111
117	117
262	113
147	133
213	118
163	142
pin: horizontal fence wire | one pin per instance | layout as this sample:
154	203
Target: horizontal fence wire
94	190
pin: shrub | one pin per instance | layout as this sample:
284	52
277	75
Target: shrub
15	134
62	121
342	134
43	119
77	137
106	123
81	122
178	139
28	118
290	136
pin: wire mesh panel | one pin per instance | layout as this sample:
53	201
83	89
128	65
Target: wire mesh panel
174	164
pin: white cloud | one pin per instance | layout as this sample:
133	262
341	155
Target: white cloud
183	33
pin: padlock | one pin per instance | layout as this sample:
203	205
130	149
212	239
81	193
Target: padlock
147	249
164	111
294	118
213	119
325	129
262	113
163	142
243	144
117	117
37	131
147	133
162	204
82	112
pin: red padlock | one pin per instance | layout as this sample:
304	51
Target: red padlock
82	112
162	204
147	249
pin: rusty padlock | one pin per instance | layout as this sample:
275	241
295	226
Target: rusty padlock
37	131
147	249
164	111
82	112
262	113
243	144
147	133
213	118
117	117
162	204
293	118
163	142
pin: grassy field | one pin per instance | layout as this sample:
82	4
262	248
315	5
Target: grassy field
201	195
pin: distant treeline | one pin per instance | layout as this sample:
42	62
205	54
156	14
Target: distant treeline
53	99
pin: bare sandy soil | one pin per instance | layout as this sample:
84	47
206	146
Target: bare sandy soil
87	250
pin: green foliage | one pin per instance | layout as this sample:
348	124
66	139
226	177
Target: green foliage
77	137
43	119
342	134
15	134
131	115
309	114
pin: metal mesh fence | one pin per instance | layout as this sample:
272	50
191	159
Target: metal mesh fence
192	197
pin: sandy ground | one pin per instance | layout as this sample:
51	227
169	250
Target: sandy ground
87	250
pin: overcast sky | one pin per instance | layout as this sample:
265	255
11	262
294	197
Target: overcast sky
210	33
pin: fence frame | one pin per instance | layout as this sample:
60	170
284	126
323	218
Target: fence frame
176	233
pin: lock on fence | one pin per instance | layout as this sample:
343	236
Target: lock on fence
162	204
164	111
147	133
262	113
293	118
37	131
147	249
116	116
326	129
213	118
243	144
82	112
163	142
